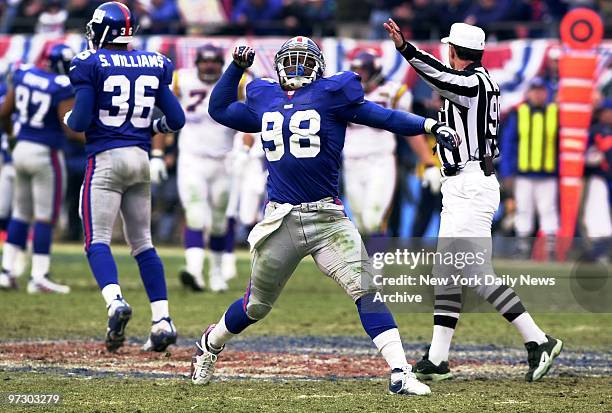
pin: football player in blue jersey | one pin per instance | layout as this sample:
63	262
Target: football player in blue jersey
40	96
116	90
302	120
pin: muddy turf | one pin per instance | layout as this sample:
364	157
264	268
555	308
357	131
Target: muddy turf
310	354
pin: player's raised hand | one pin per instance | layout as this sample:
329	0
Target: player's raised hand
395	34
243	56
446	136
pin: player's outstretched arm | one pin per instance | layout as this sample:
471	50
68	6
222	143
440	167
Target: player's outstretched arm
224	106
400	123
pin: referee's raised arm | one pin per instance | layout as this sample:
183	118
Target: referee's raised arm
455	84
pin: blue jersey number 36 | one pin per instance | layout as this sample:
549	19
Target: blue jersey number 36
303	142
121	101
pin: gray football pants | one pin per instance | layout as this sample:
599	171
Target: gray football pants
309	229
117	181
40	181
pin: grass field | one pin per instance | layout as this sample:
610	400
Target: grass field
46	345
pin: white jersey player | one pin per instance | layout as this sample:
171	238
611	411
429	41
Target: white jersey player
369	153
204	173
249	180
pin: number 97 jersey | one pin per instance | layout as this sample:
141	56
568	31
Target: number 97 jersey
201	135
125	84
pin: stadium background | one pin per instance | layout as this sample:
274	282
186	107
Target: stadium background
522	43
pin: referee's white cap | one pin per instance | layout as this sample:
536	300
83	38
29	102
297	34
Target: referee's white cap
466	35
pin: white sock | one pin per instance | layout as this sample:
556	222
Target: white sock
110	293
194	261
159	310
440	344
216	262
529	329
40	266
219	335
20	263
9	253
390	346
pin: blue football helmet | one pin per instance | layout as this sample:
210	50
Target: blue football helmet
112	22
59	57
299	62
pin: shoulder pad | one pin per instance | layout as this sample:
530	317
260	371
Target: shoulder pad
84	55
346	87
339	80
261	85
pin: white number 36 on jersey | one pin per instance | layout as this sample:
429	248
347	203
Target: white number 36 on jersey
303	142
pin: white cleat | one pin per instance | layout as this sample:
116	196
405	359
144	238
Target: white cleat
228	266
403	381
163	334
45	285
217	283
203	360
7	282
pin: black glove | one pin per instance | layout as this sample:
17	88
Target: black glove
243	56
445	136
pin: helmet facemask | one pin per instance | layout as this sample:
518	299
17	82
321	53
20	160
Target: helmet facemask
298	67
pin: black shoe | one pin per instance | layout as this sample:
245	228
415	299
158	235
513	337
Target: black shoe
540	357
426	370
189	281
117	321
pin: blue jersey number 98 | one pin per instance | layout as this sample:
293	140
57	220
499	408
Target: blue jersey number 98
303	142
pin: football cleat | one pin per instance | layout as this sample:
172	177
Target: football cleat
195	283
119	313
163	333
228	266
426	370
540	357
403	381
45	285
7	282
204	359
217	282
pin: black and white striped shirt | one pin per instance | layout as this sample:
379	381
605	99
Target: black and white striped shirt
470	105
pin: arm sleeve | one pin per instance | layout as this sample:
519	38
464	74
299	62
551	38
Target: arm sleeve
224	106
371	114
508	141
169	104
82	113
458	86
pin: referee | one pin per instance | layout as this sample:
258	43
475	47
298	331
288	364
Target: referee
470	192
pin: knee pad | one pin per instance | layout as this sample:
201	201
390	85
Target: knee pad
257	311
195	216
141	246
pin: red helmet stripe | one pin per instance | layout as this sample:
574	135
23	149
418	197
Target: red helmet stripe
126	13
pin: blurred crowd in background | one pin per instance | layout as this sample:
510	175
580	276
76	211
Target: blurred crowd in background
420	19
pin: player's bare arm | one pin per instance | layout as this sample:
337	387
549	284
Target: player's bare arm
64	107
6	109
